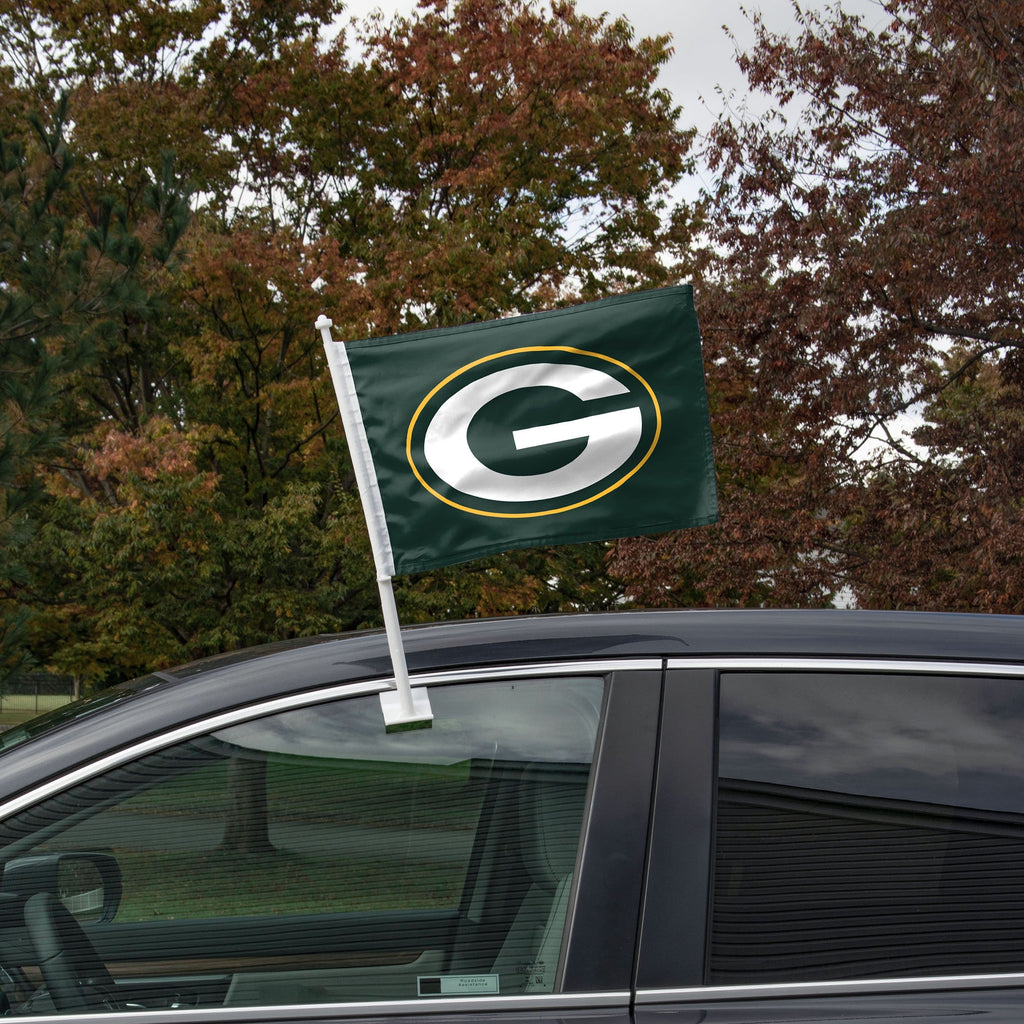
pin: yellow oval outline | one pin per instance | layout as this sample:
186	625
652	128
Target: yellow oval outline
515	351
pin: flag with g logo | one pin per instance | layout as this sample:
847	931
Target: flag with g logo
583	423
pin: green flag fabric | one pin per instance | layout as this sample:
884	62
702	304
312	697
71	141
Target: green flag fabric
583	423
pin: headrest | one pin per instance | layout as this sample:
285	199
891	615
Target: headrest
551	802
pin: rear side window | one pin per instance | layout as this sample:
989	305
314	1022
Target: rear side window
868	826
310	856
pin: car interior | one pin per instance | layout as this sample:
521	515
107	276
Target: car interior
375	880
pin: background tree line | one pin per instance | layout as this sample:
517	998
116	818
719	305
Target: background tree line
186	184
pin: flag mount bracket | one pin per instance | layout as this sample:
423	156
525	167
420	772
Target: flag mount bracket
396	716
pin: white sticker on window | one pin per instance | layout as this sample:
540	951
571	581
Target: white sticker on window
457	984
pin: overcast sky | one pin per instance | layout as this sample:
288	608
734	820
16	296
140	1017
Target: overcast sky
703	62
704	53
703	56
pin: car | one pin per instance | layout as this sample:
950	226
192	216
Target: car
650	817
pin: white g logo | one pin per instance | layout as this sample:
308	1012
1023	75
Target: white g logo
615	441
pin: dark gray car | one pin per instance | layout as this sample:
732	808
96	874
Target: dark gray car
660	817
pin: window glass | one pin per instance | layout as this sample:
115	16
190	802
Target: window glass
868	826
310	856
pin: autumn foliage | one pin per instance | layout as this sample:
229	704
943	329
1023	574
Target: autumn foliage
226	172
864	279
186	186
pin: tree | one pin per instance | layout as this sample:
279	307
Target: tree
955	516
28	371
61	290
493	156
473	163
865	259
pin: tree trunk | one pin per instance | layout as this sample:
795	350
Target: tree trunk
247	829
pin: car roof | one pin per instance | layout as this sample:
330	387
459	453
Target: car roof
164	699
660	634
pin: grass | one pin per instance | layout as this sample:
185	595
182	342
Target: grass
383	866
12	714
219	884
318	790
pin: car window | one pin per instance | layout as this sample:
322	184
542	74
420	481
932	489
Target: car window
310	856
868	826
65	714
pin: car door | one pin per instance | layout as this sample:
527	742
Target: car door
295	853
836	840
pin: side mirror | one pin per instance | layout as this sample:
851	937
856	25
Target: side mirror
88	884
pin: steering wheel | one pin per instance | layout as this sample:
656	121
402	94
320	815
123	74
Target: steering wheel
77	980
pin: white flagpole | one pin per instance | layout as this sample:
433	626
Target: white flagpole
402	709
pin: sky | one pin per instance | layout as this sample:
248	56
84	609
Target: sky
702	72
703	58
704	53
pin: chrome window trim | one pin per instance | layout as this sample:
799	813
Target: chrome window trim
867	986
825	663
331	1011
839	664
548	668
308	698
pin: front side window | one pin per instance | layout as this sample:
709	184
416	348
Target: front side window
310	856
868	826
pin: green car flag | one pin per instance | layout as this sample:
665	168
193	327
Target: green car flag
577	424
